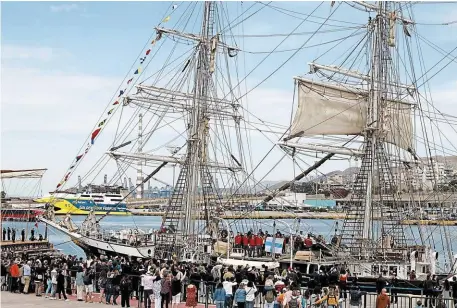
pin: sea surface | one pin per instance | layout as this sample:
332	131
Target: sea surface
432	235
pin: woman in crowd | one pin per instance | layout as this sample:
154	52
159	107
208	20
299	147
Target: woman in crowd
156	288
219	296
165	291
79	281
240	296
61	285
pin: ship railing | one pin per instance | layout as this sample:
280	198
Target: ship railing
401	297
108	237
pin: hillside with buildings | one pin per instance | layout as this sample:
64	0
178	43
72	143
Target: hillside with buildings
426	174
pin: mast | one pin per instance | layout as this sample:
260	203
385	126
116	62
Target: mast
198	146
139	176
193	192
373	120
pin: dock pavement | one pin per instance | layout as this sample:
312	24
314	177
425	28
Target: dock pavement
16	300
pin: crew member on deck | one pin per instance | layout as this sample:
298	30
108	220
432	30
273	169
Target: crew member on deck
252	245
238	239
13	235
258	244
23	235
9	234
4	235
245	243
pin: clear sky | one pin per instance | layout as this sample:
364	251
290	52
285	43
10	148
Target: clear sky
61	62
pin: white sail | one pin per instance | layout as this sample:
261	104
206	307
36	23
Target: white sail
325	109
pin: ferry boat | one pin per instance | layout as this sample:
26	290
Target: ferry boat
83	203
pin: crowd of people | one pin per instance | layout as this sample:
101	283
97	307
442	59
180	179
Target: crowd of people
168	283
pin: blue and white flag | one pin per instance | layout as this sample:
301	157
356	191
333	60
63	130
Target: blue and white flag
278	242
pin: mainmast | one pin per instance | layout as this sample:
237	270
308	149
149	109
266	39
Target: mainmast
373	119
374	189
368	107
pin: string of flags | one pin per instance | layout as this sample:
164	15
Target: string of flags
96	132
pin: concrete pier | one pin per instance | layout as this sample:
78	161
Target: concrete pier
16	300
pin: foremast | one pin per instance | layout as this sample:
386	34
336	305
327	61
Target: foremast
182	231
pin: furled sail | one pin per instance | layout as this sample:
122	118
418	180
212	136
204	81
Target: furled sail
325	109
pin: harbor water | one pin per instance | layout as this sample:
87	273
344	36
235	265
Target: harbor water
326	228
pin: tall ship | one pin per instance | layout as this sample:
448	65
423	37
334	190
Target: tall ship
372	106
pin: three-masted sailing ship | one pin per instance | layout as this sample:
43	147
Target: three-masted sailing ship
364	111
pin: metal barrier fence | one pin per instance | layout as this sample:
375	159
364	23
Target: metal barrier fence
205	292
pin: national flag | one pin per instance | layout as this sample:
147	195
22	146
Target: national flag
138	71
148	51
166	19
79	157
66	177
116	103
87	150
94	135
58	185
111	111
102	123
36	225
130	80
121	92
72	166
142	60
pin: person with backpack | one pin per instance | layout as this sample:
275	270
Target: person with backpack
331	299
294	301
269	295
355	297
314	297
